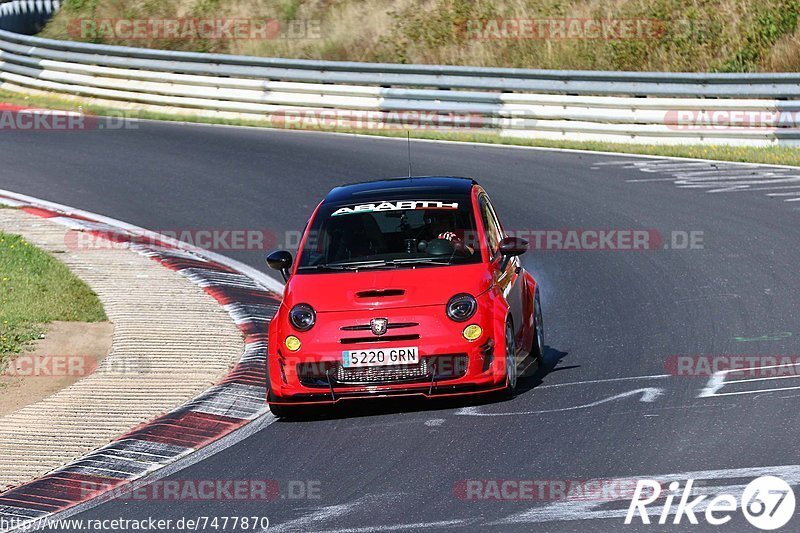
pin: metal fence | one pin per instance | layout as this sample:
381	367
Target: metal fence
26	16
647	107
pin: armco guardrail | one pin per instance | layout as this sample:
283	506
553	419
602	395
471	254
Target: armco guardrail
745	109
28	16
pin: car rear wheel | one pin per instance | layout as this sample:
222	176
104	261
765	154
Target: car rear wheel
511	361
538	333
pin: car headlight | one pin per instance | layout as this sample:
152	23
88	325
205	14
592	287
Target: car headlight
302	317
461	307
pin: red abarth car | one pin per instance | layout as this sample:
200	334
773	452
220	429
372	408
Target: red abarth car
402	287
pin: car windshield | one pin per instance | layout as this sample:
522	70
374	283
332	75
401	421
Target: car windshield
391	234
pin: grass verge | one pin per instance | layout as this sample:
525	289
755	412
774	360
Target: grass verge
36	289
772	155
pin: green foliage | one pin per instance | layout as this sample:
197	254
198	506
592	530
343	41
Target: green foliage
36	289
289	9
770	25
80	6
694	35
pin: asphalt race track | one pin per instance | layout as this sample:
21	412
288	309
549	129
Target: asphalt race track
605	408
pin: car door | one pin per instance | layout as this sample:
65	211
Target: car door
507	272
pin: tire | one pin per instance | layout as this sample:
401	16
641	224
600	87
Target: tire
537	348
512	371
281	411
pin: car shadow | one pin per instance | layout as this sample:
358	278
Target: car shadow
531	380
386	406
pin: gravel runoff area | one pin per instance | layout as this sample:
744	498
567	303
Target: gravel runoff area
171	341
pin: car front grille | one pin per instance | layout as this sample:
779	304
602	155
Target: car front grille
383	374
328	374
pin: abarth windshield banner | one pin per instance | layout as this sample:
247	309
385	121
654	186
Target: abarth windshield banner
403	205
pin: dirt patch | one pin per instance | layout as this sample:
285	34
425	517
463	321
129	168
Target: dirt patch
68	352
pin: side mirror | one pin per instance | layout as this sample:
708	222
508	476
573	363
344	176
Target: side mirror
511	246
280	260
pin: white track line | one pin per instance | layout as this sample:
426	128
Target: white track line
649	395
610	380
759	391
399	527
717	382
760	379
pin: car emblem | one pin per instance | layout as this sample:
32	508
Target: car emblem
379	325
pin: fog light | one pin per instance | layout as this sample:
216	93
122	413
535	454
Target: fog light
472	332
292	343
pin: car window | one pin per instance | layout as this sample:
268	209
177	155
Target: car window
491	225
394	231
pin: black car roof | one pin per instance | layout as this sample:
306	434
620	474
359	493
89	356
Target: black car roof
430	186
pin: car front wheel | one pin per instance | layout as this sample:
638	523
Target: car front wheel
282	411
511	361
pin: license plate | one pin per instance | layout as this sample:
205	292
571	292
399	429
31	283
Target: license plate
380	357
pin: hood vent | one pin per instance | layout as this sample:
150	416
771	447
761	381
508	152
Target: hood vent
380	293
